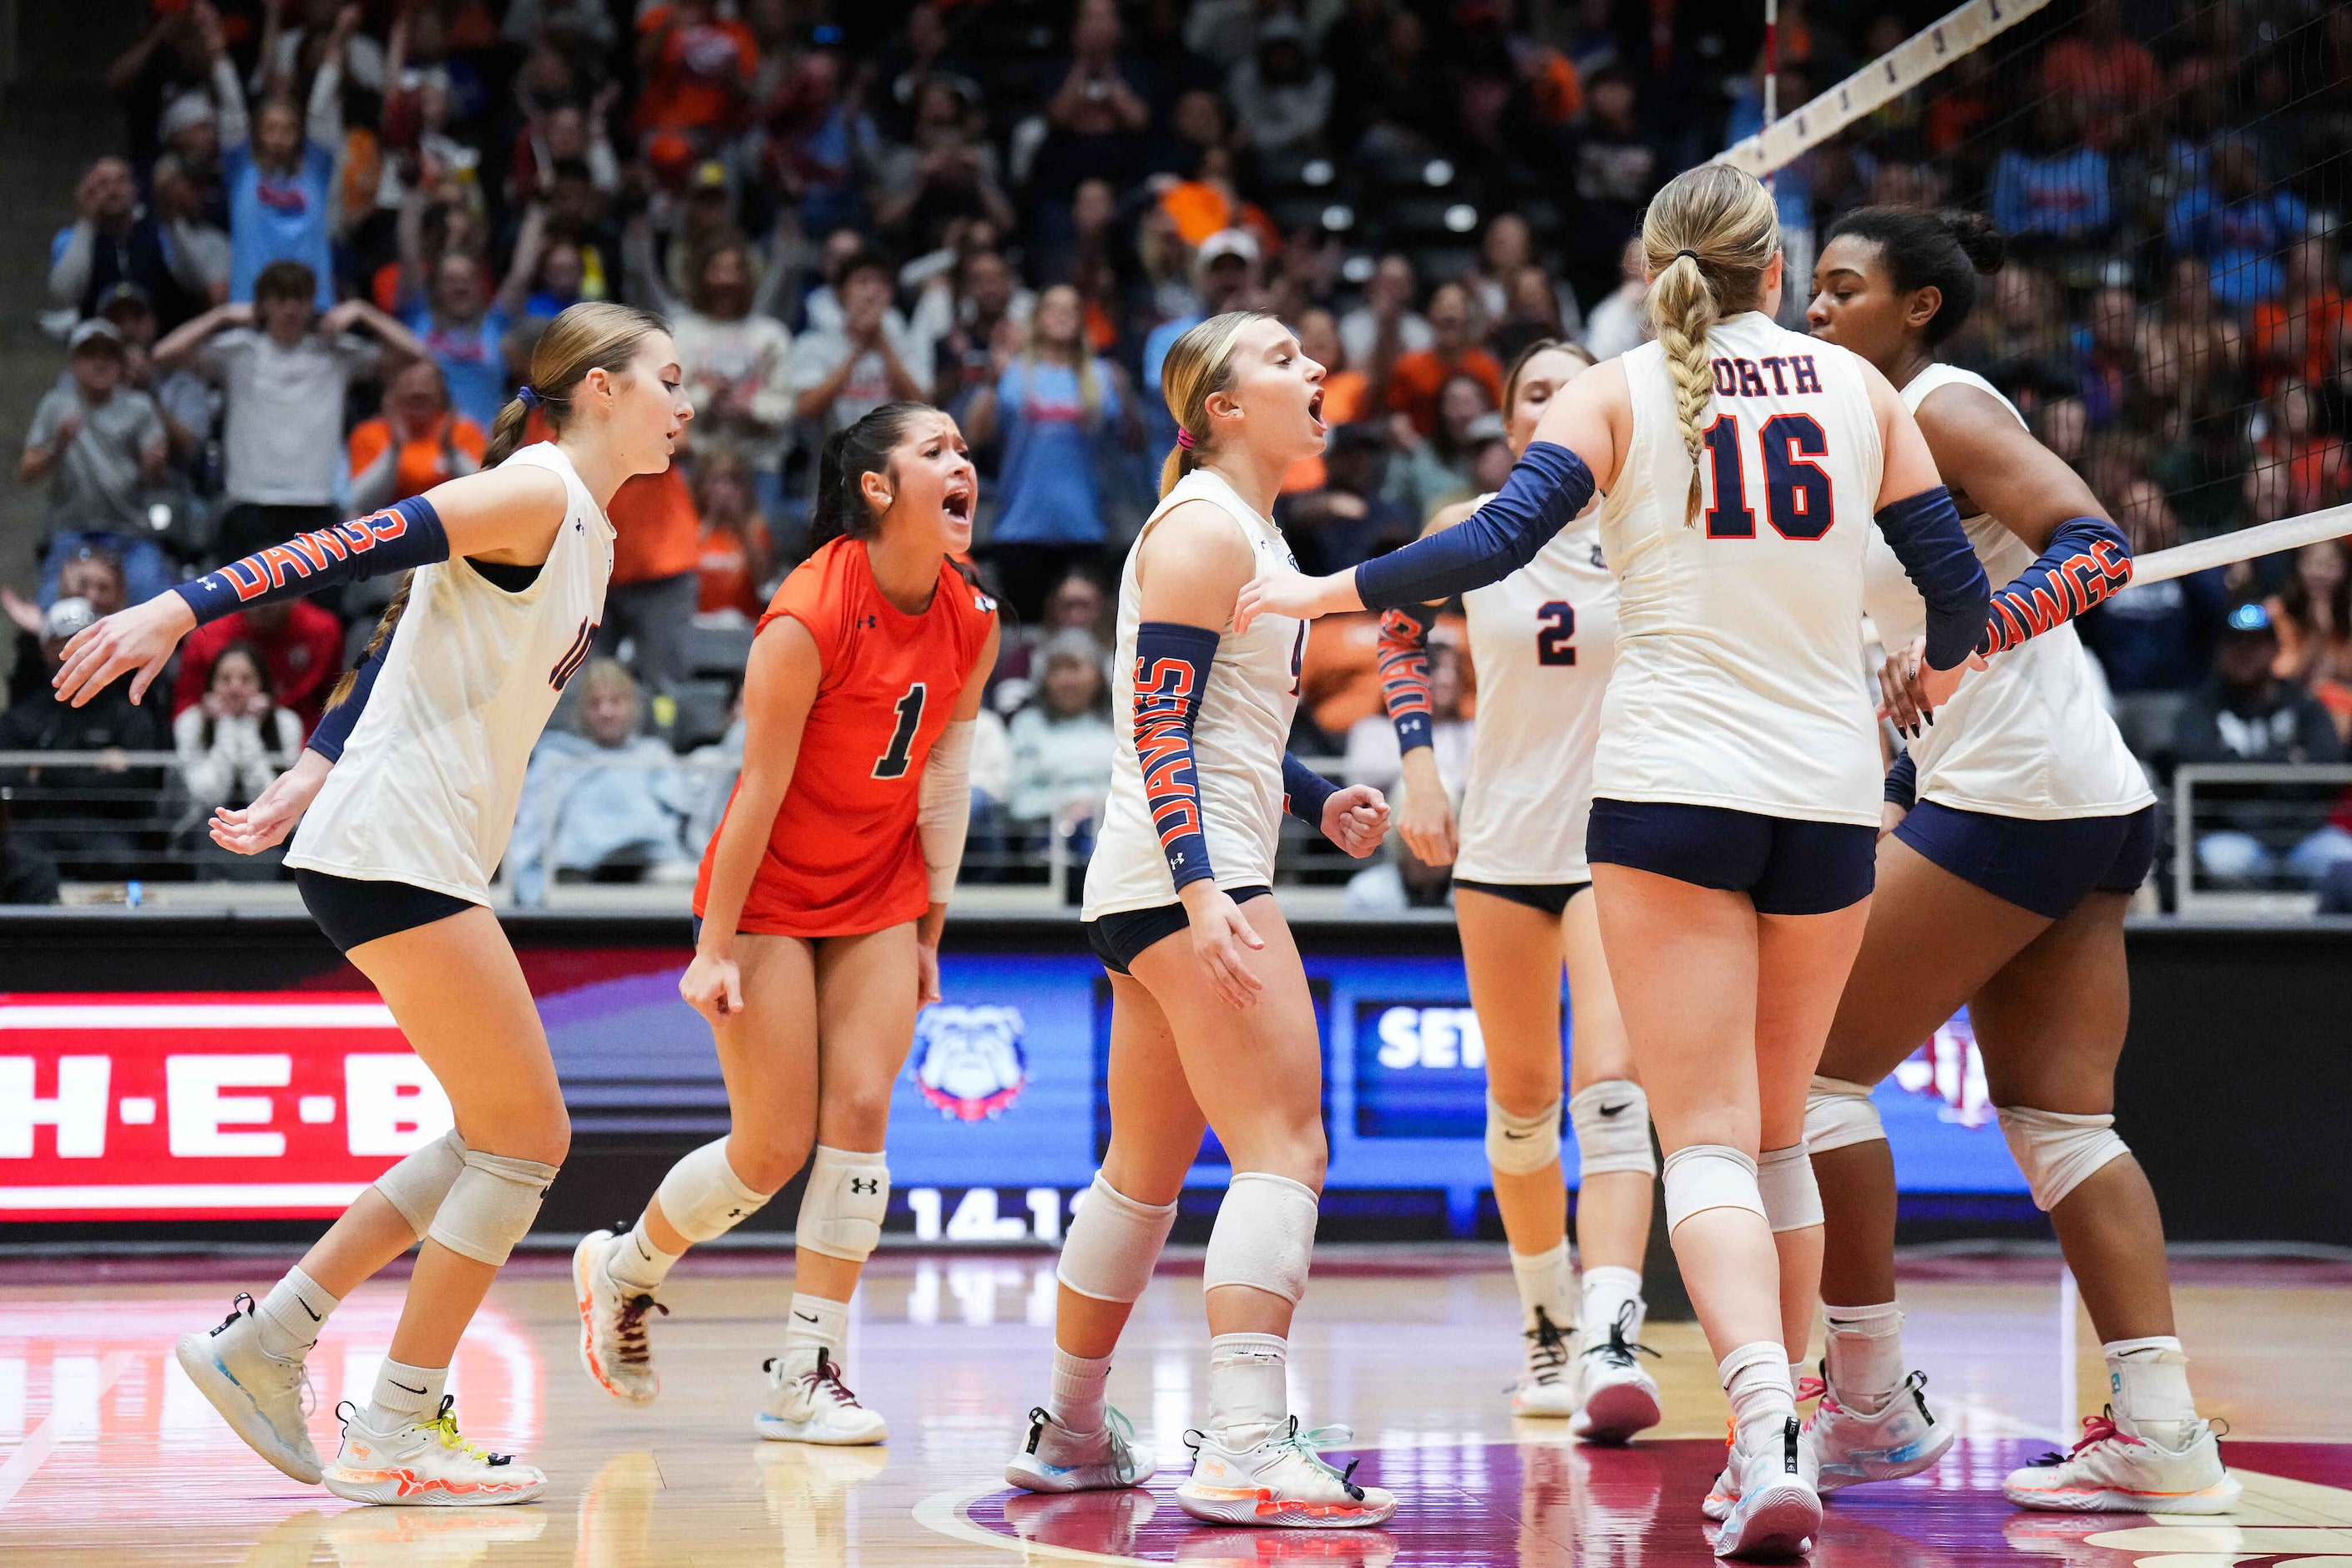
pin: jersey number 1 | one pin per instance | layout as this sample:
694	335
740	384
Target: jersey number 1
892	763
1796	493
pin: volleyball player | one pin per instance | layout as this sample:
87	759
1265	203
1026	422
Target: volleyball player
1541	640
820	906
2022	826
1737	779
410	789
1210	1024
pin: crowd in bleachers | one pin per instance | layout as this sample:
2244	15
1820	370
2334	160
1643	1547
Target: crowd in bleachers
315	271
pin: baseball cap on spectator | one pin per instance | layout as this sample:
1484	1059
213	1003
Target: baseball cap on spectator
124	296
192	107
67	619
98	336
1226	245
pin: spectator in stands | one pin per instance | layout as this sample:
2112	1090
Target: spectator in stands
2247	714
1531	314
1096	116
2054	188
2107	369
2313	616
1619	164
821	141
181	397
1373	755
2113	76
414	444
841	373
113	239
99	443
1280	91
1620	322
281	170
985	320
1054	403
2238	225
286	370
1062	743
90	819
1225	271
2295	333
464	331
2155	637
1416	379
185	203
171	61
657	576
946	170
1385	327
2190	351
1351	517
233	744
737	555
738	360
1435	470
301	651
601	802
696	67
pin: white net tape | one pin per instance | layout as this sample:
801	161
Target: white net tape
2224	549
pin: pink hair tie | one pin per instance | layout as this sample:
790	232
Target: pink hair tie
1184	438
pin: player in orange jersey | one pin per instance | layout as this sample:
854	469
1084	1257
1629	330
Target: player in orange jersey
819	904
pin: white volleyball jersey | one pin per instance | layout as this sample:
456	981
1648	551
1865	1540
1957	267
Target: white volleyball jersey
426	790
1239	733
2027	736
1542	641
1736	682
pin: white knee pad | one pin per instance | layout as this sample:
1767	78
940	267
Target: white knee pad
1265	1235
1521	1145
2057	1150
842	1208
1839	1114
490	1207
1784	1179
1113	1243
1612	1129
417	1184
1710	1176
702	1197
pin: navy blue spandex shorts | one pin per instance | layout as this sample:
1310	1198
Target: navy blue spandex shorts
351	912
1118	940
2045	867
1785	866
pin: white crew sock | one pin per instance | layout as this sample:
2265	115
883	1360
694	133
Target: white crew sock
1763	1399
817	1321
288	1318
1079	1385
1546	1282
2147	1381
405	1395
1865	1355
635	1263
1607	1289
1248	1389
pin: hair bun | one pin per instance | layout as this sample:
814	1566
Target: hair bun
1977	238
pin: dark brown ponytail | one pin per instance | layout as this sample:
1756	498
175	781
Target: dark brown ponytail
848	455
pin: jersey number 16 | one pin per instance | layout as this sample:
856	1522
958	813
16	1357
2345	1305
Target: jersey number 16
1796	493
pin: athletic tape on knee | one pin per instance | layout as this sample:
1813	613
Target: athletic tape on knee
1113	1243
1784	1178
1521	1145
702	1197
1710	1176
417	1184
1839	1114
2057	1150
1612	1129
842	1208
1265	1235
490	1207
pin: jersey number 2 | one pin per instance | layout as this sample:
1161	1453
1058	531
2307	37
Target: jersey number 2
1556	633
1796	493
892	763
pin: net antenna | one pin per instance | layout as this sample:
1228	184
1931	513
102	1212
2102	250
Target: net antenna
1781	142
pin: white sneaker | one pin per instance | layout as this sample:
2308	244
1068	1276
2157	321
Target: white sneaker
1056	1459
1848	1448
1548	1386
1619	1399
1725	1492
263	1397
425	1463
2110	1471
613	1345
808	1403
1279	1480
1777	1511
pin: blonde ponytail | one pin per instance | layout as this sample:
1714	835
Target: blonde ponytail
1707	239
1199	365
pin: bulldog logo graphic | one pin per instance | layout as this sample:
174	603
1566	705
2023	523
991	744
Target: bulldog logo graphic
969	1061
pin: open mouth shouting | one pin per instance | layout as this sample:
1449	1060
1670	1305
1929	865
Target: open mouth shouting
1315	411
957	502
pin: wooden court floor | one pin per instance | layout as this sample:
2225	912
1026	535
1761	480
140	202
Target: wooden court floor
106	1454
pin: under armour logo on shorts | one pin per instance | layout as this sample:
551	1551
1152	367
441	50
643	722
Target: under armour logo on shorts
865	1186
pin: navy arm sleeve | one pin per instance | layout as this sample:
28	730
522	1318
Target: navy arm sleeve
1547	487
1903	782
1304	791
1924	530
1171	671
335	726
406	535
2088	559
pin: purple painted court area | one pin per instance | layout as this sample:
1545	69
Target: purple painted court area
1563	1505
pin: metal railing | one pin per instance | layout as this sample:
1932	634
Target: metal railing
2255	839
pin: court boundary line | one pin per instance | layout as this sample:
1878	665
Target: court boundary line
33	1452
943	1512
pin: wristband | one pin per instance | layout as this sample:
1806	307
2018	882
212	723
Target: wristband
1305	792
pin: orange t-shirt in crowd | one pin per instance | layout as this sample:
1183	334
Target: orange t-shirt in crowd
843	858
2322	317
701	69
656	531
726	567
1415	379
1346	398
423	462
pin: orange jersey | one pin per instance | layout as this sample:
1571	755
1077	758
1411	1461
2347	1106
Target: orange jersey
843	858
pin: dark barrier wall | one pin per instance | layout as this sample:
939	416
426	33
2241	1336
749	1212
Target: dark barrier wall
2235	1092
